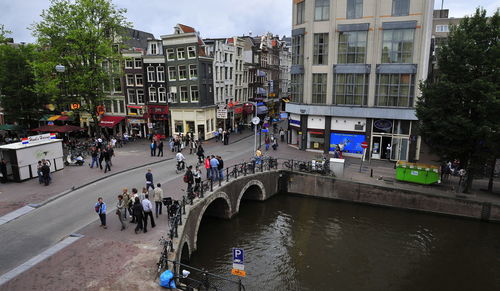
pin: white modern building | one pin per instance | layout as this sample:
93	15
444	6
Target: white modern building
356	66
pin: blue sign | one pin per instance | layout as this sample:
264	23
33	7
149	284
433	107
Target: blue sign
284	115
265	130
238	256
352	142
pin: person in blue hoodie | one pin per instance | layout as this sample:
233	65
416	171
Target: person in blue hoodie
100	208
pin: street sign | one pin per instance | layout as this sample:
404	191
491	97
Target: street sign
238	256
265	130
256	120
237	272
222	113
364	144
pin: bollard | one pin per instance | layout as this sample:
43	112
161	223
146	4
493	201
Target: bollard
371	173
179	218
227	174
211	185
220	182
245	169
202	189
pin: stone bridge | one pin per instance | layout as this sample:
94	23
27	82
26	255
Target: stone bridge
223	202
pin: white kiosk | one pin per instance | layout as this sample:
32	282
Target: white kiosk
22	157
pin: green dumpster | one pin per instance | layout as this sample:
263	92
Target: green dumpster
417	173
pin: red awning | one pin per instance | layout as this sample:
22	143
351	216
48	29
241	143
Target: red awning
57	128
110	121
64	118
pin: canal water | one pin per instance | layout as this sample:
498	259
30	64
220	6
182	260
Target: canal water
299	243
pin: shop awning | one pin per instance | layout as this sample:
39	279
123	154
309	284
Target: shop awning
53	117
10	127
110	121
158	109
57	128
65	118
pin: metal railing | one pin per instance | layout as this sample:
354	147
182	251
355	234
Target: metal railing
317	167
202	280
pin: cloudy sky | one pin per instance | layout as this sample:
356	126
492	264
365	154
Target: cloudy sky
213	18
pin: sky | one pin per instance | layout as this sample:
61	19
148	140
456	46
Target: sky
212	18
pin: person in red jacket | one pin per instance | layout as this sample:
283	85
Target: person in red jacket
207	166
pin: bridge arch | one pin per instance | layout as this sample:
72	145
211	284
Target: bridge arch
218	205
254	189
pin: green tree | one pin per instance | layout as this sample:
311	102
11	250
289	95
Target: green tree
17	82
79	35
3	34
459	110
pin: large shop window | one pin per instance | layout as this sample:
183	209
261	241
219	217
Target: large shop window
315	139
350	89
179	126
320	52
319	89
297	88
352	47
398	46
395	90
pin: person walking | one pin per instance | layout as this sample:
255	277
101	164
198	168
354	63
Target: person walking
100	209
147	207
152	146
267	141
158	199
226	137
143	194
126	201
111	153
149	180
138	214
197	179
121	210
200	152
107	160
95	157
101	157
190	179
275	144
131	205
220	167
192	146
39	172
160	148
214	164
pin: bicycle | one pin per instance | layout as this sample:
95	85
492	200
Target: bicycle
163	261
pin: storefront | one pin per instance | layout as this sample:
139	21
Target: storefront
158	120
348	133
294	129
112	124
201	122
390	139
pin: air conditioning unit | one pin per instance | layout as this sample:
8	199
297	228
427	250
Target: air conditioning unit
359	127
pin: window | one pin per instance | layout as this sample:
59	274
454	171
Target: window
352	47
173	95
296	88
319	89
301	6
138	63
230	73
398	46
354	9
138	80
151	74
193	72
320	56
181	53
162	95
350	89
321	10
131	96
129	64
298	50
395	90
172	74
182	73
239	51
442	28
191	52
153	49
140	96
400	7
117	84
195	95
130	80
121	104
170	54
184	93
152	94
160	72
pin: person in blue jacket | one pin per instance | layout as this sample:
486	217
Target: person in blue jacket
100	208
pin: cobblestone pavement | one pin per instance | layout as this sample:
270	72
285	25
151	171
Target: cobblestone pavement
121	260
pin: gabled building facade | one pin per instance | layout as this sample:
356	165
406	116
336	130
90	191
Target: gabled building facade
190	82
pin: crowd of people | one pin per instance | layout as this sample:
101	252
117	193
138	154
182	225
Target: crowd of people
102	151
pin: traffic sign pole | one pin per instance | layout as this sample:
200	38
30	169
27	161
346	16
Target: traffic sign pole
364	145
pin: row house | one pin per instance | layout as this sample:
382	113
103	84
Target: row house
285	66
157	111
190	83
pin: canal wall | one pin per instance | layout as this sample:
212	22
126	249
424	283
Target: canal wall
388	195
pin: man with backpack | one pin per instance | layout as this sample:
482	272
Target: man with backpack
189	179
100	209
